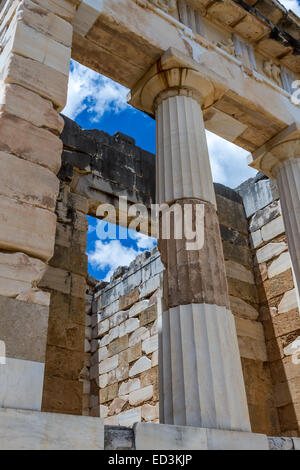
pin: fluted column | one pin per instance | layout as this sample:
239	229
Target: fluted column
280	159
201	380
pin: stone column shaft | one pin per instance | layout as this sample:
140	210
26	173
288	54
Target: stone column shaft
288	180
201	377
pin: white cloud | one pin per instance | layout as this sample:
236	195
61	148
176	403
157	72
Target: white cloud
94	93
111	255
143	241
292	5
228	161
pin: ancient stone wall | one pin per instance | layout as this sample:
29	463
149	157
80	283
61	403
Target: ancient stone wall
279	308
124	363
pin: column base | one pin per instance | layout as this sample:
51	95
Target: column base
170	437
33	430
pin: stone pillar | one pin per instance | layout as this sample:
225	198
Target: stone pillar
201	376
280	159
34	67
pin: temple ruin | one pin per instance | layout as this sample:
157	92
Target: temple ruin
182	349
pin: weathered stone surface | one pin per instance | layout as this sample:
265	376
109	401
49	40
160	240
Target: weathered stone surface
242	309
140	396
33	228
128	326
19	273
256	194
150	412
126	301
30	141
269	251
118	438
35	296
288	301
264	216
23	328
231	214
62	395
130	417
276	286
138	308
109	364
238	271
37	77
118	345
150	344
116	406
139	335
56	279
21	384
46	22
24	104
140	366
281	443
147	316
272	229
108	393
49	431
279	265
194	276
129	386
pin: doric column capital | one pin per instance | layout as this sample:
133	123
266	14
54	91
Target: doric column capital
173	74
285	146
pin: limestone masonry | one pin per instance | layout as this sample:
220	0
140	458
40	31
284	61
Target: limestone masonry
183	349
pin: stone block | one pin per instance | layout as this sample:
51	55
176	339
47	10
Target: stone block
118	318
129	386
276	286
139	335
242	309
267	252
35	296
56	279
140	396
128	326
118	345
238	271
30	141
138	308
23	328
122	373
288	301
273	229
46	22
127	300
134	352
29	430
28	42
264	216
150	345
108	393
116	406
64	363
171	437
78	286
148	316
117	438
62	395
108	364
150	286
18	273
231	214
256	239
39	78
61	8
150	412
149	377
281	443
140	366
101	328
26	229
154	359
239	254
256	195
279	265
244	290
130	417
24	104
21	385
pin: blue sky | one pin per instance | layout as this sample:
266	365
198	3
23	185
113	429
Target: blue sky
96	102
